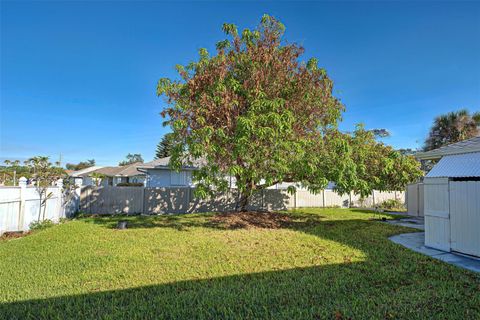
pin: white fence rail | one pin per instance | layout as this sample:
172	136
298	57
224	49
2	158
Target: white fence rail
20	206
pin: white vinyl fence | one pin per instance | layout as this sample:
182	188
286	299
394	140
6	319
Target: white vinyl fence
20	206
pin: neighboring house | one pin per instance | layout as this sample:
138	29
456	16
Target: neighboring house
82	178
159	174
452	197
111	176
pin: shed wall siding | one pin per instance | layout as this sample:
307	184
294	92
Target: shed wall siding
437	213
465	216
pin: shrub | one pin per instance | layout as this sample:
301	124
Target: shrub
392	204
130	184
41	225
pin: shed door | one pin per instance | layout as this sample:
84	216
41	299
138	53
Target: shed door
465	216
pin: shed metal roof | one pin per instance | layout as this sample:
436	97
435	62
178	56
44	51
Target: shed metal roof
465	146
457	166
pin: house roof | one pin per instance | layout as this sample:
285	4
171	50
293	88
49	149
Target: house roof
465	146
130	170
122	171
163	163
457	166
84	172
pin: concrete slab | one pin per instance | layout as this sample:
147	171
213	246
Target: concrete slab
415	241
413	222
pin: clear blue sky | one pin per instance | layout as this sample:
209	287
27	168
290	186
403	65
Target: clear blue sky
79	78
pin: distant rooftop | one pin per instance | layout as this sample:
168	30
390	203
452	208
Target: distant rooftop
163	163
119	171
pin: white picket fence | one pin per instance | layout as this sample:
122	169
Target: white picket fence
20	206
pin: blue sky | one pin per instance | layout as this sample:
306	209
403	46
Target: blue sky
79	78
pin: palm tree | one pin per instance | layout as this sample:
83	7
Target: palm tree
453	127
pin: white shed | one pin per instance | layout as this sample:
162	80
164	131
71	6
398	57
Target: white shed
452	198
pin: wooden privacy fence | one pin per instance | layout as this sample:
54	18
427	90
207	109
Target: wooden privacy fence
133	200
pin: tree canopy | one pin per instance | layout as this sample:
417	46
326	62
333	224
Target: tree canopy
81	165
164	147
255	111
452	127
131	158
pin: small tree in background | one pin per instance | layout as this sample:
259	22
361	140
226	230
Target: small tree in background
254	111
164	147
97	178
131	158
44	176
452	127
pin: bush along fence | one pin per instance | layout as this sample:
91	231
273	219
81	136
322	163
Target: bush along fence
21	206
135	200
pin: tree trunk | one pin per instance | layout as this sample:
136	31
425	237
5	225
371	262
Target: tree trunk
243	203
245	196
40	208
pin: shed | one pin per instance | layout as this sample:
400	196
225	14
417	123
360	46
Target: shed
452	198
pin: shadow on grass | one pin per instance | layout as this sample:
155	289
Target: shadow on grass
390	283
221	221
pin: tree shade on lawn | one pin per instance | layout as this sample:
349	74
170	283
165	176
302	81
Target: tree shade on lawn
323	263
257	112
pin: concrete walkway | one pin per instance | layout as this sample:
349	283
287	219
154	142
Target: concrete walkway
415	241
411	222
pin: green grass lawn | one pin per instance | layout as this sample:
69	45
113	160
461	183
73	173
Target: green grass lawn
324	263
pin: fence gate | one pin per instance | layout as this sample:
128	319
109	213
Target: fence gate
465	216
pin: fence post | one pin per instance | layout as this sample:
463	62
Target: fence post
373	197
143	201
59	184
22	182
295	199
263	200
323	197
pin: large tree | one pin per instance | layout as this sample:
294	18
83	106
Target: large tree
256	112
164	147
452	127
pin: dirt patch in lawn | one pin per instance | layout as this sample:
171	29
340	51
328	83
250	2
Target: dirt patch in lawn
250	219
13	235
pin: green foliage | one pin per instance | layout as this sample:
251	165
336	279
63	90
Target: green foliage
44	175
373	166
41	225
255	111
12	171
81	165
324	264
130	159
392	204
97	178
165	146
452	127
